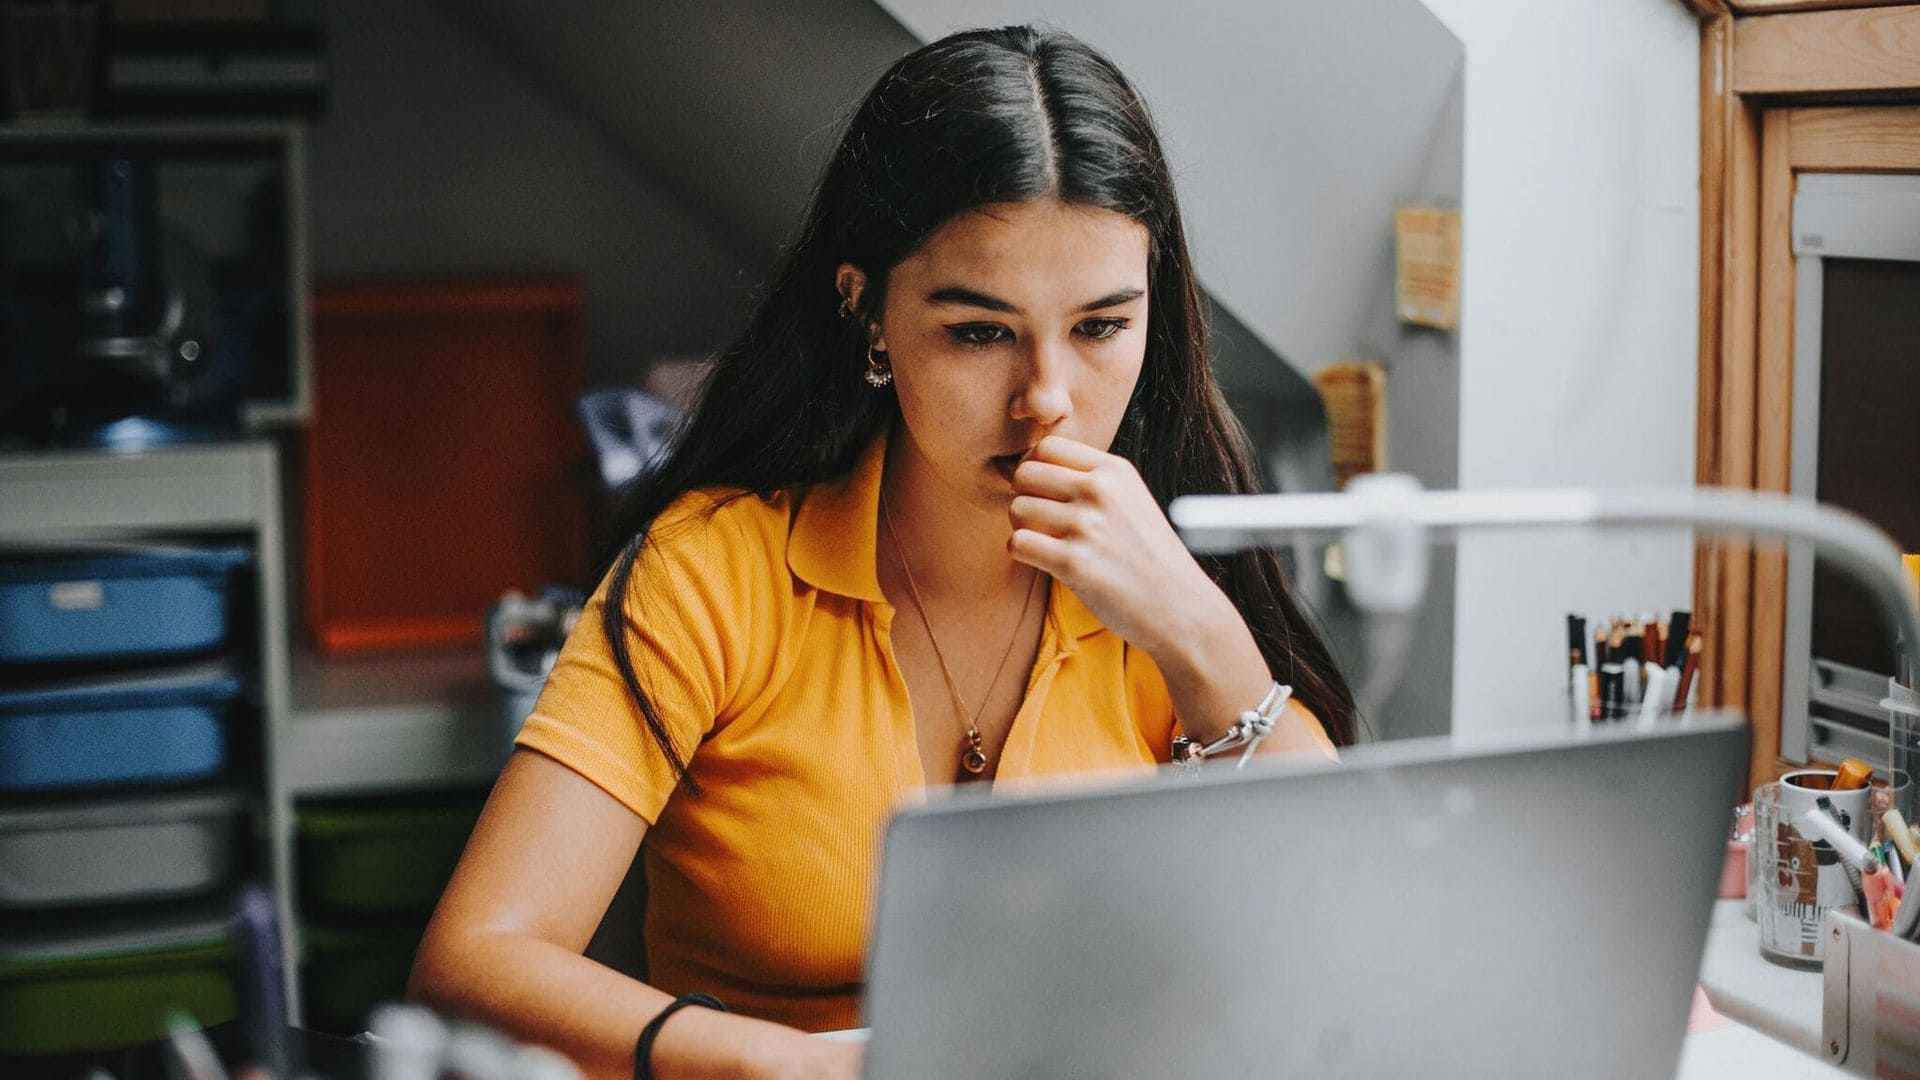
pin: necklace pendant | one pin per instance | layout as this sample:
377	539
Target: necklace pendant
975	759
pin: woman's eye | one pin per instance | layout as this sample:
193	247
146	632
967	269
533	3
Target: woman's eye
979	334
1101	329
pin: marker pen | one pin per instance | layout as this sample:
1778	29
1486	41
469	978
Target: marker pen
1901	837
1683	692
1853	773
1578	676
1612	691
1630	646
1875	882
1652	699
1906	922
1594	689
1673	656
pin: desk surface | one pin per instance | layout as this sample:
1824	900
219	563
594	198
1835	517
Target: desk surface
1738	1052
1772	1003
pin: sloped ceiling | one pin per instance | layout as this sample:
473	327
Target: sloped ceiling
731	104
1294	128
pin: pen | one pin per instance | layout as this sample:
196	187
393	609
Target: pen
1593	678
1654	695
1673	654
192	1050
1875	882
1853	774
1676	639
262	998
1688	670
408	1042
1900	836
1907	922
1613	674
1578	678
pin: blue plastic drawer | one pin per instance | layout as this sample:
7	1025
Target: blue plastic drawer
115	603
154	729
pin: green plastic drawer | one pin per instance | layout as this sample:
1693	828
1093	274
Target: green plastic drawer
112	985
380	857
346	971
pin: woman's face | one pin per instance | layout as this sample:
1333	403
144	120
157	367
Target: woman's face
1011	323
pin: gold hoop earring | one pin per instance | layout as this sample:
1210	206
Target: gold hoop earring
879	373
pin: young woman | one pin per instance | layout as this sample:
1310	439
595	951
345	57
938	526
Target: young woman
913	536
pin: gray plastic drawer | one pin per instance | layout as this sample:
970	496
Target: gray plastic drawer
116	850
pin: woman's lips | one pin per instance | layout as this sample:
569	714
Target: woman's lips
1004	464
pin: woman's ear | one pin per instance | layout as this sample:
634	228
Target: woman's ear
851	283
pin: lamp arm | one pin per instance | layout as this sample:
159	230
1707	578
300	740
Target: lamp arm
1218	524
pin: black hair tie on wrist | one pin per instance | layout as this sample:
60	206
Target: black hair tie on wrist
643	1050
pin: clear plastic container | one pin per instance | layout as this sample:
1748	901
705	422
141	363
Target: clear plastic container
1796	881
1903	737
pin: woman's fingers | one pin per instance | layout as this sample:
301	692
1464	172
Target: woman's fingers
1060	450
1051	516
1048	480
1048	554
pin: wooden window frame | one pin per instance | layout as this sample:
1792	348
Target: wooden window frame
1777	93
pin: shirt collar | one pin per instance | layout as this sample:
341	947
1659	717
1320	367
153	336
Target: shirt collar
835	539
833	542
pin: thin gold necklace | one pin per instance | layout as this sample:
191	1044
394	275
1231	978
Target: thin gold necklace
974	757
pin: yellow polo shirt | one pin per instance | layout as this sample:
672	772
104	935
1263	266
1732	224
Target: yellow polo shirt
762	637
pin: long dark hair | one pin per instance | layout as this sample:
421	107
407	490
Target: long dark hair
981	117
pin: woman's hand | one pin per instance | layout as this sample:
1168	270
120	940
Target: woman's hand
806	1057
695	1044
827	1060
1087	518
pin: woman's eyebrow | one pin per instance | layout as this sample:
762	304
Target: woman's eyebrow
956	294
1115	299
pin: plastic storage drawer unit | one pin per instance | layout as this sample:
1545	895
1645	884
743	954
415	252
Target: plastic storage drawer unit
113	851
159	728
350	968
387	856
113	984
115	602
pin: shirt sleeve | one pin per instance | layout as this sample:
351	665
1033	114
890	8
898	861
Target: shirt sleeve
686	616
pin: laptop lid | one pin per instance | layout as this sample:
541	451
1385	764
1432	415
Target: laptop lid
1531	906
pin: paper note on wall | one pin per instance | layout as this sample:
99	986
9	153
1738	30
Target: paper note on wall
1427	267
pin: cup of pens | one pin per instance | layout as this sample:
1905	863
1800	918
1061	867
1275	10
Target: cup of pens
1828	840
1800	876
1639	670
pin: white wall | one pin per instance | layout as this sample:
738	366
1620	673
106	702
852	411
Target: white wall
1579	318
1293	129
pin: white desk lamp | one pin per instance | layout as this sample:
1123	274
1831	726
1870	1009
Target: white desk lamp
1383	522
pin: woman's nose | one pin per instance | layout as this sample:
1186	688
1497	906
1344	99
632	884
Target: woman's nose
1043	399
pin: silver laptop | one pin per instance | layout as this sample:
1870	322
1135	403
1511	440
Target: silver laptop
1527	908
